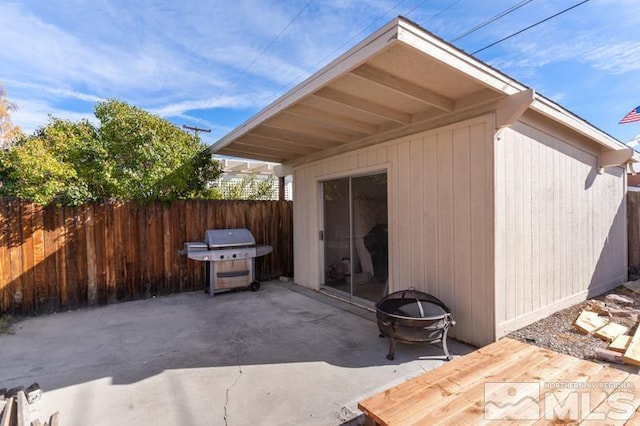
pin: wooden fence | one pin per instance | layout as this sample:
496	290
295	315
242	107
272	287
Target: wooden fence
60	258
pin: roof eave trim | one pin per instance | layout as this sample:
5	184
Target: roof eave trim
556	112
448	54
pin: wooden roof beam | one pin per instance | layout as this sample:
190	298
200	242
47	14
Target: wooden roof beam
512	107
304	127
294	137
363	105
281	144
237	151
403	87
615	158
337	120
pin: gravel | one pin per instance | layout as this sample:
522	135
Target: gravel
556	332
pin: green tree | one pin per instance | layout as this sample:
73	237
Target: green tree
131	154
8	131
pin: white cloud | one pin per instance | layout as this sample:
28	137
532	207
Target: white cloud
616	58
33	114
54	91
180	108
178	57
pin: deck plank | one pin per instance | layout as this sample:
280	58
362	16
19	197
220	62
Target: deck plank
455	392
439	389
397	394
473	398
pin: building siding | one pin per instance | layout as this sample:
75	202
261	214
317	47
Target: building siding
440	218
560	225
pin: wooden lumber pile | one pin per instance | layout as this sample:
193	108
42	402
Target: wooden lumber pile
598	320
14	407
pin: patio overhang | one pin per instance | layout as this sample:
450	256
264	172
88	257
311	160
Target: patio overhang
398	81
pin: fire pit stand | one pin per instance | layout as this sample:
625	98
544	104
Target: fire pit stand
412	316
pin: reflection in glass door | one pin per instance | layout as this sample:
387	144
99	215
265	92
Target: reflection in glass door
355	235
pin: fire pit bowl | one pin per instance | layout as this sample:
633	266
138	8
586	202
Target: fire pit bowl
412	316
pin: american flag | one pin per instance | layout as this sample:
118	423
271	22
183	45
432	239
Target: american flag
634	115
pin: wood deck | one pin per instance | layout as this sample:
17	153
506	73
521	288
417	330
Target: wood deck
510	382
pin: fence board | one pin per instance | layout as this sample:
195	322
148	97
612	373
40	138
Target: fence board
99	234
39	280
80	240
72	257
58	258
27	228
92	273
61	259
5	264
109	253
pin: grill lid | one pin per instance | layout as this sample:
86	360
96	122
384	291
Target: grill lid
229	237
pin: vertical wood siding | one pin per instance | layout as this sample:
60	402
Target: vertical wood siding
560	226
59	258
440	218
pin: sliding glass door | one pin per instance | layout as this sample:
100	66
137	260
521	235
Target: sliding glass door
355	235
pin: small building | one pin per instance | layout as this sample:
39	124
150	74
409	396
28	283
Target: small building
247	179
417	165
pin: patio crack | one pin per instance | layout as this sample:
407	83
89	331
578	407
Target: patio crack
226	402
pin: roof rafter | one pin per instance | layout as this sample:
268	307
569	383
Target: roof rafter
233	152
403	87
277	143
306	127
294	137
338	120
363	105
269	152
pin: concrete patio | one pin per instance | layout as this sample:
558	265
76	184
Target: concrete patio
282	356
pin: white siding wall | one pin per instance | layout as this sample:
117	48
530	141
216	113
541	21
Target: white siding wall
440	218
560	226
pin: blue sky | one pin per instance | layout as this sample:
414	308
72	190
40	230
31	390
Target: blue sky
214	64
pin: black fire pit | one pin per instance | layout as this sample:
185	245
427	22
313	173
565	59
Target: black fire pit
412	316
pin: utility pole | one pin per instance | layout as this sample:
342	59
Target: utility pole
196	130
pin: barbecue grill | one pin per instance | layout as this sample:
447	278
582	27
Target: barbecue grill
412	316
229	258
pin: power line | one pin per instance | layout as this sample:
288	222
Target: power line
415	7
530	26
267	47
346	43
439	13
492	20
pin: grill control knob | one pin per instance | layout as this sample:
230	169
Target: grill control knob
222	256
234	256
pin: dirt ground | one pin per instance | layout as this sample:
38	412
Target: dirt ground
558	333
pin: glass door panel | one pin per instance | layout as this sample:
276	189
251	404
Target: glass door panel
355	235
337	234
370	242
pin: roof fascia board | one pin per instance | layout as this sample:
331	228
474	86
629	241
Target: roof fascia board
555	112
354	57
466	64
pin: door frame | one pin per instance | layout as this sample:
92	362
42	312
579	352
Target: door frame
366	171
